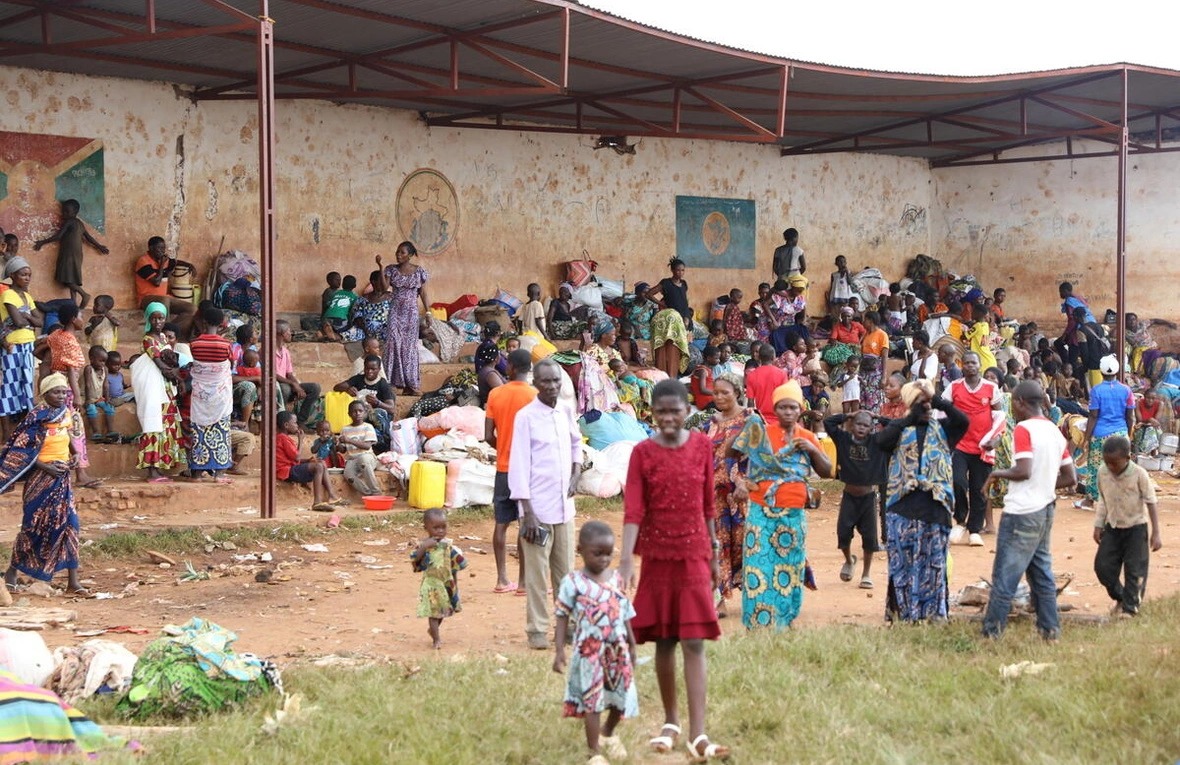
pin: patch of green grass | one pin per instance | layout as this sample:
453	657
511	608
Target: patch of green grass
834	694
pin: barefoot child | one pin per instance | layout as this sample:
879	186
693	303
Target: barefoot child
860	464
1126	503
94	379
325	447
668	520
72	235
357	440
440	563
288	466
602	672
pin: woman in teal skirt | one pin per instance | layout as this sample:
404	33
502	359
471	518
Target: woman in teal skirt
781	456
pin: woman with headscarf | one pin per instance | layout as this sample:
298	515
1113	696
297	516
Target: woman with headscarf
66	357
919	501
844	342
20	320
406	281
369	316
729	472
603	348
40	451
154	374
211	402
781	456
638	309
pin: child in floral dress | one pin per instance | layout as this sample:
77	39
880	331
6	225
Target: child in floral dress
601	673
440	562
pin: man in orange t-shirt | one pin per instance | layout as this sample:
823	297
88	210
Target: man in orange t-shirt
504	401
152	271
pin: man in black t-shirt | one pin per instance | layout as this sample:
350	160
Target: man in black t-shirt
374	390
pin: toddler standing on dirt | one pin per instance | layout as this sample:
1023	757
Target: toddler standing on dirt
440	562
602	673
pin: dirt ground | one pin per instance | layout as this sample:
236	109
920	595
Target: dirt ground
358	599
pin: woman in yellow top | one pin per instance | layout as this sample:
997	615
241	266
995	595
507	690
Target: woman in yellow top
980	337
40	451
19	319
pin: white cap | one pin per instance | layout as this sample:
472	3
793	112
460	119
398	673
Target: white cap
1109	365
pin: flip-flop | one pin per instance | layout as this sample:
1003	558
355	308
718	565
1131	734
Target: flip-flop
846	570
324	507
92	484
223	480
521	592
865	583
1079	506
160	479
500	589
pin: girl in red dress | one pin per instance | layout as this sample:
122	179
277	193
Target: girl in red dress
668	521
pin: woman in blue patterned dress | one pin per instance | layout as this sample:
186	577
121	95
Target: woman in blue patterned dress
780	456
919	500
407	281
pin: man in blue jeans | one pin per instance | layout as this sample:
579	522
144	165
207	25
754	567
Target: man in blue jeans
1041	464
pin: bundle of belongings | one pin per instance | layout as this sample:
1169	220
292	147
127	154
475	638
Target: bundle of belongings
36	724
194	671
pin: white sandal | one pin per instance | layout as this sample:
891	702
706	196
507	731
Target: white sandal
663	744
711	751
613	746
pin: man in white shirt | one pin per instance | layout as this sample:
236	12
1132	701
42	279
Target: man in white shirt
543	468
1041	464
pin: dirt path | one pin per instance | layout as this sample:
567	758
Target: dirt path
359	597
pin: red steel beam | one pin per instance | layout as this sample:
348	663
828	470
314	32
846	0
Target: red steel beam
741	119
266	236
1120	253
1047	157
954	112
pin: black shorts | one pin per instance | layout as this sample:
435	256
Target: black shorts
301	473
858	514
503	508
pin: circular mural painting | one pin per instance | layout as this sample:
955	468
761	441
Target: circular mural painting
715	233
428	211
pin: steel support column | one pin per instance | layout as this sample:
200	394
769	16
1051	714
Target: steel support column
1120	266
266	250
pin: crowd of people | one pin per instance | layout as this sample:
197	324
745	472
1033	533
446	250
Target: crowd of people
948	410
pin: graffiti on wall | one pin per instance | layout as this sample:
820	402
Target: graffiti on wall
428	211
715	233
38	170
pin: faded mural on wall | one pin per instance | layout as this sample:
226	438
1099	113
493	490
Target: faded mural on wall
39	170
715	233
428	211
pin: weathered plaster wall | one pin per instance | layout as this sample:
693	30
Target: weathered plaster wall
1029	226
528	201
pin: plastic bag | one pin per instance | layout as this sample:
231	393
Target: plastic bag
469	482
611	289
403	436
589	295
25	655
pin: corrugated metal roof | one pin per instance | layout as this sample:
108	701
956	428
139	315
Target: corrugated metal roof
623	76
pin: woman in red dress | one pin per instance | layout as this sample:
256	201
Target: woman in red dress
668	521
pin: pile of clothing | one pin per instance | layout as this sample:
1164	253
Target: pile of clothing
195	671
